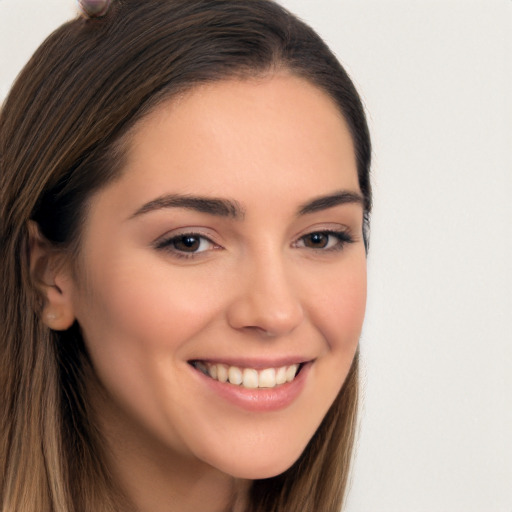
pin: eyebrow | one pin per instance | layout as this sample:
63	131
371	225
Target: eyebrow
232	209
212	206
330	201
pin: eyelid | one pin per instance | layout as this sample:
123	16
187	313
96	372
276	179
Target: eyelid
326	227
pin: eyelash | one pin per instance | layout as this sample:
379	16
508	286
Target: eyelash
343	238
169	244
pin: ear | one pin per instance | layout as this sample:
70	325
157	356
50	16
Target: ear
51	276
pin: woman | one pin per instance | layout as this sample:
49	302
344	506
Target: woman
184	203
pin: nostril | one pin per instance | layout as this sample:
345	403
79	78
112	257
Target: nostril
260	330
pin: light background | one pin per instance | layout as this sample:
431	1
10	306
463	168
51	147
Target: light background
435	76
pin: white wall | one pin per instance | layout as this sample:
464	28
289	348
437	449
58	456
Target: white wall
436	76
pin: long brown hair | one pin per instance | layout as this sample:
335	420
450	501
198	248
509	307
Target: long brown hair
61	139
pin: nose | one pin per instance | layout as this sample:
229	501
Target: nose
266	301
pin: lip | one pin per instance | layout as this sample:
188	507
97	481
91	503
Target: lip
259	399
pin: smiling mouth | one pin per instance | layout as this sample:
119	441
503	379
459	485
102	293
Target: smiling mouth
249	378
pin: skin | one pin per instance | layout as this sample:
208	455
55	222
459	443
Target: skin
258	289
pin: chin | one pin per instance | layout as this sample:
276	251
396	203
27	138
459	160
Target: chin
258	467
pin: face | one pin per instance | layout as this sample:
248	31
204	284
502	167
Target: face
231	246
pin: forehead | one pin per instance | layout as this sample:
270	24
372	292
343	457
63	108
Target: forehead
252	140
255	116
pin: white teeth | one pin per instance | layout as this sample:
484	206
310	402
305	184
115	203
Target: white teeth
267	378
291	372
235	375
222	372
213	371
249	377
281	375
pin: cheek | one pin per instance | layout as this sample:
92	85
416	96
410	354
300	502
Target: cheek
137	322
147	305
139	318
338	309
351	305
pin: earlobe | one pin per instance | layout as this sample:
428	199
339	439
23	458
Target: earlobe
52	279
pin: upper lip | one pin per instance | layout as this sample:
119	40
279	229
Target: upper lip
256	363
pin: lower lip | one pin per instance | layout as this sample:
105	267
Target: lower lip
258	399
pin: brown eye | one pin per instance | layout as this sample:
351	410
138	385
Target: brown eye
316	240
187	243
